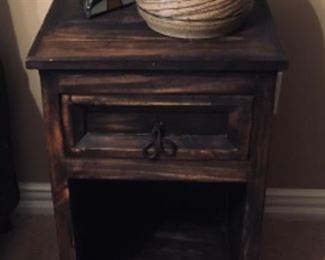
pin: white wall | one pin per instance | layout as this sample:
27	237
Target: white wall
20	21
298	153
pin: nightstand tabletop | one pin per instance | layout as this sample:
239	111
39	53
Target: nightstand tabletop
121	40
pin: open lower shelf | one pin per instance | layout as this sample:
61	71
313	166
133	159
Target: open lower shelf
130	220
187	239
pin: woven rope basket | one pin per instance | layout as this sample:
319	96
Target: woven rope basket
194	18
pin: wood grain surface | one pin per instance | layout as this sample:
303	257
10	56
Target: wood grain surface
103	83
121	41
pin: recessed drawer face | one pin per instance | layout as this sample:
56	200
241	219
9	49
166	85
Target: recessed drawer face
169	127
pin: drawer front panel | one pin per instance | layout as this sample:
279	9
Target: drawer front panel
186	127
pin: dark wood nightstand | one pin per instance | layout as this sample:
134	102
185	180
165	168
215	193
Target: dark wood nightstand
158	146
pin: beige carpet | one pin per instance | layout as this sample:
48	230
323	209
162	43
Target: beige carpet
34	239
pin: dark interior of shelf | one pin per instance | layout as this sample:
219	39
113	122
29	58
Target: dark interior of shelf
127	220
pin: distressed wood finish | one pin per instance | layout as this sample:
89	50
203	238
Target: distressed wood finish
119	126
157	83
114	169
121	41
105	84
58	174
254	208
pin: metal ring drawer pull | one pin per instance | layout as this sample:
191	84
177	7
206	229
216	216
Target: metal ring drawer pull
159	145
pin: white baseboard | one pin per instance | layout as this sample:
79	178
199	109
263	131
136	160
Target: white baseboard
296	203
35	198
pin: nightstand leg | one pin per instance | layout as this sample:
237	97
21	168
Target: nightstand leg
64	225
254	209
58	176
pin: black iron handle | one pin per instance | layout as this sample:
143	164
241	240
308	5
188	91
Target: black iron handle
159	144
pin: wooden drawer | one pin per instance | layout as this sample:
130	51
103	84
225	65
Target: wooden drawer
187	127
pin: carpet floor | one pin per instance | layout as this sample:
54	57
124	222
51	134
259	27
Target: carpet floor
33	238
